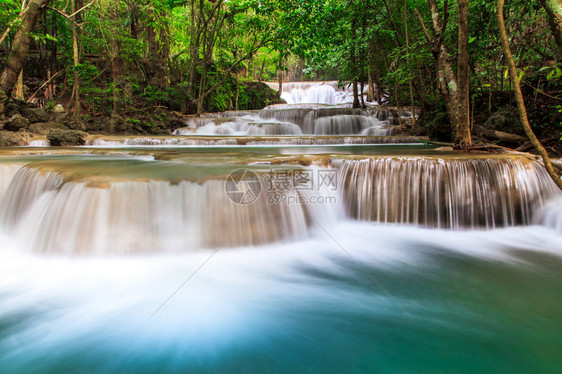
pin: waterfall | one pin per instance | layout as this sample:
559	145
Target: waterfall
26	186
311	120
69	212
77	217
329	92
453	193
199	140
157	141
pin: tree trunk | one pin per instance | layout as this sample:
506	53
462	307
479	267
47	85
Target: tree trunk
553	10
462	135
76	54
237	92
370	86
261	70
454	97
362	96
519	97
20	48
280	77
408	62
354	63
194	44
19	86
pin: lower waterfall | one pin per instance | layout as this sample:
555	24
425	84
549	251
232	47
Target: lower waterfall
445	193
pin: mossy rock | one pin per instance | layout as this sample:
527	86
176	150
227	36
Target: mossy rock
257	95
58	137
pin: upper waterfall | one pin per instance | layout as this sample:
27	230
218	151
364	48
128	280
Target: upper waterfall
314	93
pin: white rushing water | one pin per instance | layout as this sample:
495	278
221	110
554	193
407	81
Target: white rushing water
330	303
329	92
282	120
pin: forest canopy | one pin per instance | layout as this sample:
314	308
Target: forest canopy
105	58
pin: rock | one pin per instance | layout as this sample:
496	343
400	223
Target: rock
35	115
16	123
444	149
14	139
506	120
59	137
12	109
58	109
44	128
3	101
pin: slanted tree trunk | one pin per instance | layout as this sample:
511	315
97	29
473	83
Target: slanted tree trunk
519	97
20	48
553	10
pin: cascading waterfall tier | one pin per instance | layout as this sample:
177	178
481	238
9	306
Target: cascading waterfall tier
453	193
61	213
185	140
83	206
311	120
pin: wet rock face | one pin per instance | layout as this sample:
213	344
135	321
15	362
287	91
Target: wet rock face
59	137
16	123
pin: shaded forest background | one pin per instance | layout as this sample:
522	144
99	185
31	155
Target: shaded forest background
123	66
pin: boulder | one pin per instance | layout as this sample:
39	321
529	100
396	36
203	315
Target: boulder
12	109
16	123
3	101
507	120
14	139
59	137
35	115
43	128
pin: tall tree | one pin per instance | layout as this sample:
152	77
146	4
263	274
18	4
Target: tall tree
19	50
76	61
453	88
